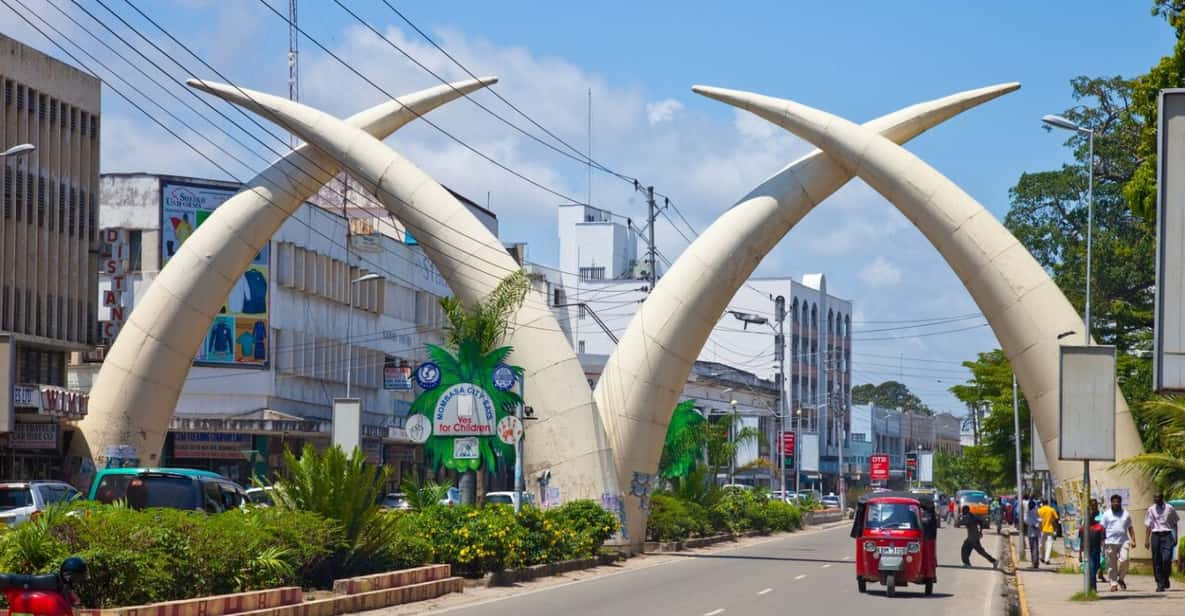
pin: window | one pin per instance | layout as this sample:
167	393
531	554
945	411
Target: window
583	309
212	498
581	346
592	273
559	297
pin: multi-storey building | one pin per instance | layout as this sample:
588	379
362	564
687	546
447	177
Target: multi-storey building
297	322
601	281
48	257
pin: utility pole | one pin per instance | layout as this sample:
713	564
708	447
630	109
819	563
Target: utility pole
780	358
651	249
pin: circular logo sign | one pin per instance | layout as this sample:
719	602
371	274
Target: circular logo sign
419	428
428	375
503	377
510	429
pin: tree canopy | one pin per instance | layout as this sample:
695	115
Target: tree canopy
889	394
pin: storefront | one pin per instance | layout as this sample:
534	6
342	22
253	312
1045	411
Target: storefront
41	430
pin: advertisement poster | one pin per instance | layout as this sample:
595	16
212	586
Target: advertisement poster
878	467
239	334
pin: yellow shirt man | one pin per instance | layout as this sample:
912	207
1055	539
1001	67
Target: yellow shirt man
1048	515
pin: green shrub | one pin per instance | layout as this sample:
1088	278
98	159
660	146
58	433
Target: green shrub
783	516
669	519
588	518
137	557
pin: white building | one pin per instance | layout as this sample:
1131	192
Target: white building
273	362
601	281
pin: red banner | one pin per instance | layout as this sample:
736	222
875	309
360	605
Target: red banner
788	443
879	470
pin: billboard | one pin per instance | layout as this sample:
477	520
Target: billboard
1086	397
926	467
239	335
1168	370
808	447
878	467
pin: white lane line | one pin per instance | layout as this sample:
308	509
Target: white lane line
828	565
800	577
765	592
718	610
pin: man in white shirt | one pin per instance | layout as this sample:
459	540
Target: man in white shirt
1160	532
1120	537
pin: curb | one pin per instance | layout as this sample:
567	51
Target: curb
526	574
1020	585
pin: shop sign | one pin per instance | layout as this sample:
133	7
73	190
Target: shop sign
397	377
216	445
27	397
51	401
34	436
878	467
114	267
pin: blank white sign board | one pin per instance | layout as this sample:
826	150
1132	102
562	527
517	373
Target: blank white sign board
1086	410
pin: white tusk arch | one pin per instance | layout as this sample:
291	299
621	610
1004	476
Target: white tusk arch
1024	307
473	262
136	390
645	375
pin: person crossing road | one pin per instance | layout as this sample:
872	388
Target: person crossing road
974	537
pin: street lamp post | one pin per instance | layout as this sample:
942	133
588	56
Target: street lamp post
1062	123
349	326
18	150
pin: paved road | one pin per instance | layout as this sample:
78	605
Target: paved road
801	572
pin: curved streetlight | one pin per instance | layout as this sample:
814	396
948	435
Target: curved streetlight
18	150
1057	121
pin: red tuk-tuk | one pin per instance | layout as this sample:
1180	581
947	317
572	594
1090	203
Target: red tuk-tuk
896	537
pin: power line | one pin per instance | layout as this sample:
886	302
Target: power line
925	335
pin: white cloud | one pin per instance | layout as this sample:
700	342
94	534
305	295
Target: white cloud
662	111
881	273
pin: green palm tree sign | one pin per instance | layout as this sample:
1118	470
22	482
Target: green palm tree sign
467	374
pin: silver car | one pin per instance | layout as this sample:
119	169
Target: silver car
22	500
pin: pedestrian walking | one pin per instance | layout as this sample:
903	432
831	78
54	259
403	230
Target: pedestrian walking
1033	532
996	510
1160	531
950	509
974	537
1097	535
1119	540
1049	518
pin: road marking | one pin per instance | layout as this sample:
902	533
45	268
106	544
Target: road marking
827	565
765	592
718	610
800	577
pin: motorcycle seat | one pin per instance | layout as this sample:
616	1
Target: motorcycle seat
47	581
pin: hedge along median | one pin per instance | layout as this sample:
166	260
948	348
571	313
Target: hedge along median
731	512
155	555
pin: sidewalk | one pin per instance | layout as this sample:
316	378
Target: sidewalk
1047	592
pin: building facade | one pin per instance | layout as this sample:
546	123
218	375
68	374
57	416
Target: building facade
48	255
601	281
295	325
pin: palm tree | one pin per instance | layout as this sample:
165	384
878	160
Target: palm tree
1164	416
475	333
724	438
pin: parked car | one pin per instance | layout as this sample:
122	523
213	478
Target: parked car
260	497
394	500
507	498
453	498
830	501
21	501
172	488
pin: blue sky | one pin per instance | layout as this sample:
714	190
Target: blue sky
857	59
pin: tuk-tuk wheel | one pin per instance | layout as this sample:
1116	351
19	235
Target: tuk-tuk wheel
861	585
929	588
891	586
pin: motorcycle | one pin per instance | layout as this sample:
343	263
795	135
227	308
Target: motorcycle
49	594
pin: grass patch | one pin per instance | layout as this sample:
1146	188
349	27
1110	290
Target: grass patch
1085	595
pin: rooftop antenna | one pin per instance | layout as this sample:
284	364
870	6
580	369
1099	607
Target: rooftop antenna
293	61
